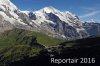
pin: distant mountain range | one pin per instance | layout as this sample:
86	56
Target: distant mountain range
48	20
92	28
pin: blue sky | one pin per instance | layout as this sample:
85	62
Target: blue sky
86	9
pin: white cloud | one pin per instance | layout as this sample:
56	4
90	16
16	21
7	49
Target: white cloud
89	8
93	13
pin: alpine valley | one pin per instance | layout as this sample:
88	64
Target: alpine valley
28	37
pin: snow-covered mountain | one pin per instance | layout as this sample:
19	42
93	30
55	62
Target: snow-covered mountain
92	27
48	20
7	5
11	17
57	22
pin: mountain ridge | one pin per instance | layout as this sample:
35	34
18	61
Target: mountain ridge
48	20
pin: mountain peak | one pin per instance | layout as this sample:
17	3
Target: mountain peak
91	21
4	1
49	9
7	5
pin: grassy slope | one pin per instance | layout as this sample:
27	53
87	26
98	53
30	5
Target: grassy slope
46	40
15	45
17	53
23	53
82	48
19	36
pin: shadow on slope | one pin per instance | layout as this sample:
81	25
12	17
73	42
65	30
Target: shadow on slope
82	48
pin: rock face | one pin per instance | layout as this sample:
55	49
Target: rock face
11	17
47	20
4	25
92	28
58	24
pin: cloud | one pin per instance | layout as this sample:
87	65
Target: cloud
93	13
89	8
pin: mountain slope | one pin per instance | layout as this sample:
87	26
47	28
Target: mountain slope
63	51
48	20
18	44
24	37
11	17
92	28
57	23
